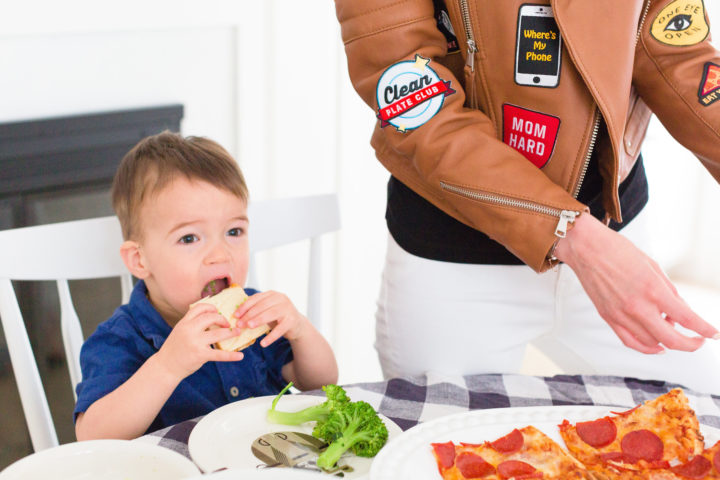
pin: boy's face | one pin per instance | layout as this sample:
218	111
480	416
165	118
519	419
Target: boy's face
192	234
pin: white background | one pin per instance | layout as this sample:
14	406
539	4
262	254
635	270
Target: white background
267	79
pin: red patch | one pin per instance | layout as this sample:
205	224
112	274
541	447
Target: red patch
709	85
531	133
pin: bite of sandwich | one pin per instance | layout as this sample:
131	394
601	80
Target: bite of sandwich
226	302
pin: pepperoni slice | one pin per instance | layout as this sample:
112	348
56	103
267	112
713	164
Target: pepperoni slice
698	467
515	469
445	453
643	444
597	433
510	443
472	465
618	457
716	460
626	412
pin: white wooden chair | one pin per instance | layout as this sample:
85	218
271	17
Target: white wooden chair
89	249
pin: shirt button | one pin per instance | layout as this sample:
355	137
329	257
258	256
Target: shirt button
234	391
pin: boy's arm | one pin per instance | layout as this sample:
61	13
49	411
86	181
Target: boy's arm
313	363
128	411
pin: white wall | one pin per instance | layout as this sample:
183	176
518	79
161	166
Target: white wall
268	80
265	79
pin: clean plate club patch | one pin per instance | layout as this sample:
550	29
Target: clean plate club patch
531	133
681	23
709	91
409	94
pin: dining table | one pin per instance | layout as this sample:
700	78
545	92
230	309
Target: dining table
410	401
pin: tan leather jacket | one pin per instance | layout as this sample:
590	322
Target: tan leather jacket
611	51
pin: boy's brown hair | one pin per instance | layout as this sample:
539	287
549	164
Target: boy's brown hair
157	160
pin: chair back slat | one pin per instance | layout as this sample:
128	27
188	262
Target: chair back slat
126	286
71	333
79	249
32	395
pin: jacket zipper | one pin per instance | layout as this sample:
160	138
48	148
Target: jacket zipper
642	20
565	216
469	70
588	154
471	45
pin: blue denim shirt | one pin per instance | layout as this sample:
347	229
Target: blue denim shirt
120	345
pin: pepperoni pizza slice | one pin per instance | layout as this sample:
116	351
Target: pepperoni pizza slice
521	455
705	466
653	436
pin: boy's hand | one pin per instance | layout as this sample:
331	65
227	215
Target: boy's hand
275	310
188	346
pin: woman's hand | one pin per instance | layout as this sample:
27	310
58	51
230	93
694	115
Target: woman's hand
629	290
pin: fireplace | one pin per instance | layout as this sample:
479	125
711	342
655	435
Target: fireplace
54	170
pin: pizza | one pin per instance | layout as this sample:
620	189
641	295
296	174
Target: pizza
649	436
657	440
521	454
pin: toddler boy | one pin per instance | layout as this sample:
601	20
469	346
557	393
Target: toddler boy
182	205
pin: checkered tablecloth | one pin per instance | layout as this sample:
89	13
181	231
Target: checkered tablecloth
409	401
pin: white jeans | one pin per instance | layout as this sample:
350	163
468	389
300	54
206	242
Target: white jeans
464	319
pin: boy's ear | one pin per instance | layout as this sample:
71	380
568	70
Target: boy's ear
133	259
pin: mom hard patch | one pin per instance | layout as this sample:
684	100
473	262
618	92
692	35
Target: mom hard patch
531	133
410	93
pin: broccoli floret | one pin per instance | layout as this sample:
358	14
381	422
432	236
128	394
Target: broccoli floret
336	398
355	427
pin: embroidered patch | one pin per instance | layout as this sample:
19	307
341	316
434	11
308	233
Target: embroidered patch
537	47
709	91
531	133
409	94
681	23
443	23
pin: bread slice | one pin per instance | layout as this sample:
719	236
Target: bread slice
227	302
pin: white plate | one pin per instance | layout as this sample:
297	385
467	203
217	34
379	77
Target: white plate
410	455
222	439
102	460
255	474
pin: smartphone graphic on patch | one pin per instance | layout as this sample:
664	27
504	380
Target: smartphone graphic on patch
537	47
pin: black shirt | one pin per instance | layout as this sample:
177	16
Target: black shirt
423	230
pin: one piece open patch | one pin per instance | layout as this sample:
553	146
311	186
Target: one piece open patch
681	23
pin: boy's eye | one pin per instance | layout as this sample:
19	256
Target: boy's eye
235	232
190	238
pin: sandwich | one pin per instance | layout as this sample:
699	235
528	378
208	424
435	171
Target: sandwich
226	302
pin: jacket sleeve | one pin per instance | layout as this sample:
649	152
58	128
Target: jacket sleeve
458	149
677	73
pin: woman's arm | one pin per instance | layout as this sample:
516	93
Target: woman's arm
629	290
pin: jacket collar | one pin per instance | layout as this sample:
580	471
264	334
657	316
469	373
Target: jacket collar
597	36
